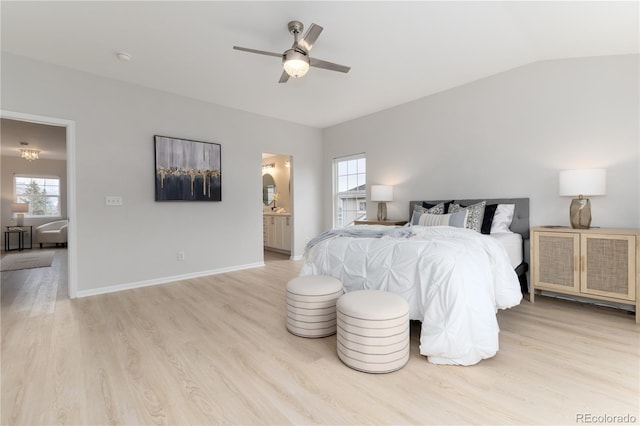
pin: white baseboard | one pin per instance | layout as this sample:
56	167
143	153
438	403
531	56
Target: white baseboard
164	280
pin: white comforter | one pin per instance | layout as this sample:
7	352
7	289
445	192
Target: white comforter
454	280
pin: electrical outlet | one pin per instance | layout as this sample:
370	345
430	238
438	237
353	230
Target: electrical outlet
181	255
113	200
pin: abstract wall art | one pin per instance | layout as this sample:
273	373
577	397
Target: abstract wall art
187	170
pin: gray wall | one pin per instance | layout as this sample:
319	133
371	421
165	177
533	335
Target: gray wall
508	136
115	124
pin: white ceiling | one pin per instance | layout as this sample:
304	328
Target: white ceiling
398	51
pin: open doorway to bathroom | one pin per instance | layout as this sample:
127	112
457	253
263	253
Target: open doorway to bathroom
277	206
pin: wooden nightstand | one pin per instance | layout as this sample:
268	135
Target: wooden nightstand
380	222
596	263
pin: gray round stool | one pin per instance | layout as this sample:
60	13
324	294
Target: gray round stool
373	331
311	305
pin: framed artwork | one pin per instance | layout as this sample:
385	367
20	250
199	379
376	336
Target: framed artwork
187	170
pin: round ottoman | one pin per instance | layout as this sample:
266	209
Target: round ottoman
311	305
373	331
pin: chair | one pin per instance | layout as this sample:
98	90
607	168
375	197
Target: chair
53	233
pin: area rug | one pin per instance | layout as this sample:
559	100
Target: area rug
26	260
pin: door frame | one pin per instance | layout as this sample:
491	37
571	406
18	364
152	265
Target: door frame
70	127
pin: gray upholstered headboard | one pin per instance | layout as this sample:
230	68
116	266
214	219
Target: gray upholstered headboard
520	222
520	225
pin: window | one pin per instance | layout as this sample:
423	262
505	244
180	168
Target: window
350	190
41	192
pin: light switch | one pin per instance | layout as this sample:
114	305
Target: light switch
113	200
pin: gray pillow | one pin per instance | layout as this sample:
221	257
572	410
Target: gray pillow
457	220
419	210
475	216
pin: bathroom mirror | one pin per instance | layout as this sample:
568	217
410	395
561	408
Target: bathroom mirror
268	189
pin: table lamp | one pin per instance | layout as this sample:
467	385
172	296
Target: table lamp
20	209
582	183
382	194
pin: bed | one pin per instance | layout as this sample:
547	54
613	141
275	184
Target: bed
454	279
516	241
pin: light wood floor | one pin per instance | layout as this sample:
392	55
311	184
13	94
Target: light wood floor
215	350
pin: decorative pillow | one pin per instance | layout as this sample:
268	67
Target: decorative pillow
430	206
418	210
457	220
487	220
440	208
503	218
476	214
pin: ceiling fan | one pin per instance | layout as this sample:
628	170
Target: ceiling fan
296	61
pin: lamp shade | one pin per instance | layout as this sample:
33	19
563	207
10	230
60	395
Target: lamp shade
381	193
582	182
20	208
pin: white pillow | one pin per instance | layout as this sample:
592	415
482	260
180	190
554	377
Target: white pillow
457	220
502	218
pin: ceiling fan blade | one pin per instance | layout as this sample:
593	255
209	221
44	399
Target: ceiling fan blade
284	77
319	63
260	52
310	37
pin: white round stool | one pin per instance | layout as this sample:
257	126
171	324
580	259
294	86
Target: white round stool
311	305
373	331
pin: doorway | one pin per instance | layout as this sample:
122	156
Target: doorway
69	127
277	206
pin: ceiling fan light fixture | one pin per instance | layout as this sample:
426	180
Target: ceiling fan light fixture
295	63
296	60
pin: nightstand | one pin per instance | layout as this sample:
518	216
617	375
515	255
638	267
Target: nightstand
596	263
380	222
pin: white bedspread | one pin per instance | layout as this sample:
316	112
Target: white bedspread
453	279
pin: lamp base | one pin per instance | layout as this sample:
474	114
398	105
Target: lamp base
382	211
580	213
20	219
